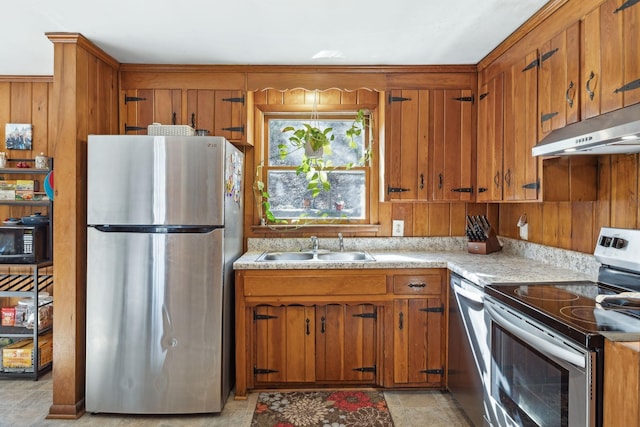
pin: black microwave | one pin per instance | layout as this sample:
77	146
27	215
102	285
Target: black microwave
24	244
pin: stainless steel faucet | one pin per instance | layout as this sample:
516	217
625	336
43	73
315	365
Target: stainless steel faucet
315	245
341	242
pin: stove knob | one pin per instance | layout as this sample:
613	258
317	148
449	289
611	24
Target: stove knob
605	241
618	243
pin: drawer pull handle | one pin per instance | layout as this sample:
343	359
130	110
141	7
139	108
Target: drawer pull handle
322	328
308	330
401	320
417	285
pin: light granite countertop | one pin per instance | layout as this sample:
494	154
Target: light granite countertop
504	266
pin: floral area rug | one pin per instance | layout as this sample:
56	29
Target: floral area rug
322	409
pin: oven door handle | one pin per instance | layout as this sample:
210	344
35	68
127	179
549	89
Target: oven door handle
472	296
542	345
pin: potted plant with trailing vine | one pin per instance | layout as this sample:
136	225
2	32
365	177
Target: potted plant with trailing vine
314	167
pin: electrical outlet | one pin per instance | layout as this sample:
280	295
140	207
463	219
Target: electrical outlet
398	228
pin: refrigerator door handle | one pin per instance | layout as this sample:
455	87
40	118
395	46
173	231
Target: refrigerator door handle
159	229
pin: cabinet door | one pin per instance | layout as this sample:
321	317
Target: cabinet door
611	65
230	115
450	137
417	341
284	344
407	139
143	107
558	81
346	343
489	146
521	181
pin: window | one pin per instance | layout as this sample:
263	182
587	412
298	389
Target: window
347	173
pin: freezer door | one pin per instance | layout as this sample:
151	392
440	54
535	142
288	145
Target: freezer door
154	322
155	180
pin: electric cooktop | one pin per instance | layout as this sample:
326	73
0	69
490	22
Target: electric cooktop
571	308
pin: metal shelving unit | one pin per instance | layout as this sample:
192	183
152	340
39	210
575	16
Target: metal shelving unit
23	285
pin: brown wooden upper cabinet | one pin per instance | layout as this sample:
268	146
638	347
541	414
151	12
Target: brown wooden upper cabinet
521	180
221	112
430	145
558	73
610	68
491	116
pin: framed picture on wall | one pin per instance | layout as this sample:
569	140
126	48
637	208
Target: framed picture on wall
18	136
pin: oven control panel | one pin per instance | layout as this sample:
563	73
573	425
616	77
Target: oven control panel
619	247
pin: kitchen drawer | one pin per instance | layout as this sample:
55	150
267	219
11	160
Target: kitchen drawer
293	284
417	284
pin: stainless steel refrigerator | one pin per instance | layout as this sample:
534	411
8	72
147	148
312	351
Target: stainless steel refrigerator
164	219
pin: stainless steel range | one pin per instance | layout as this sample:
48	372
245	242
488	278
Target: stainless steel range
547	339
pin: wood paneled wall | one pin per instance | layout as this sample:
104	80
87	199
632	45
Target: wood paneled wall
576	225
26	100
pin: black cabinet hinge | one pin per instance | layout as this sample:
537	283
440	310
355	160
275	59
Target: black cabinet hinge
482	190
241	99
433	371
463	190
133	99
532	64
235	129
372	315
548	116
629	86
470	99
132	128
397	99
257	316
391	189
366	369
433	309
258	371
483	96
548	55
532	186
626	5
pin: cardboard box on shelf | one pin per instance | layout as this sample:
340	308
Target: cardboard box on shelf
8	316
24	195
8	184
7	194
19	356
24	184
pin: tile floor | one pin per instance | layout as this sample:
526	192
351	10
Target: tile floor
25	403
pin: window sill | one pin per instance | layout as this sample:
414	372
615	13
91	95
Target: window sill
317	228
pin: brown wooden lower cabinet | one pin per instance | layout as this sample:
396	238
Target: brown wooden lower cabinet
284	343
346	343
417	338
621	390
339	327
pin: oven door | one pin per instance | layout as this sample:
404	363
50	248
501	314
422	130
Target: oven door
537	377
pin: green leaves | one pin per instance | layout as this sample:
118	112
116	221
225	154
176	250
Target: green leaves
315	137
313	167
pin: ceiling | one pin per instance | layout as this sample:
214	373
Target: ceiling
269	32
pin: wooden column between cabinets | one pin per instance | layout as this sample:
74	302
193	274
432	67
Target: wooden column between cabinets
84	101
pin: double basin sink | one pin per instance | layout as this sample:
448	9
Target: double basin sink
311	256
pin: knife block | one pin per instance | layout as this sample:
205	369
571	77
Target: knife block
485	247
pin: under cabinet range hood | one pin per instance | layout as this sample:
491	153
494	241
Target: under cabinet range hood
617	132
